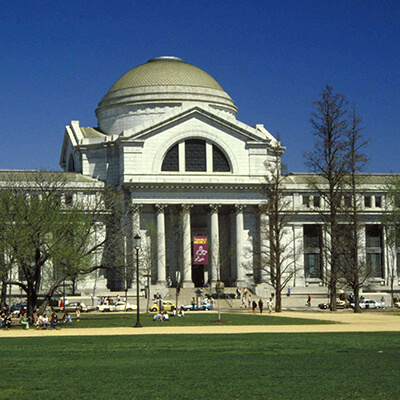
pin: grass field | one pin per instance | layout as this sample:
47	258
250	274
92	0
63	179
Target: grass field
245	367
108	320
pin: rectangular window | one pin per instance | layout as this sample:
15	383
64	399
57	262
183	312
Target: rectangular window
378	201
317	201
312	265
195	155
367	201
306	201
347	201
374	249
312	251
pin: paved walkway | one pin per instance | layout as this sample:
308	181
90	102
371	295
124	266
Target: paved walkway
346	322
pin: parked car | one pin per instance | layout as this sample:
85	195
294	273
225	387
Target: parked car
118	306
204	306
71	307
166	306
369	303
340	304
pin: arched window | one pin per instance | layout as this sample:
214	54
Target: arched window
197	152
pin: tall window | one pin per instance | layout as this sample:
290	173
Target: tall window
312	251
375	250
195	155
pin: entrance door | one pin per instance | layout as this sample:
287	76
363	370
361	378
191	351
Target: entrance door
198	275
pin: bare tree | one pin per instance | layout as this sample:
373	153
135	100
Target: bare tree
353	268
277	258
328	161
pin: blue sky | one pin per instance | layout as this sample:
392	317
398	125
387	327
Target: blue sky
274	58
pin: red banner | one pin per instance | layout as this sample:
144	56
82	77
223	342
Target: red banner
200	250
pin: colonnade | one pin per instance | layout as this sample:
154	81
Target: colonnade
238	269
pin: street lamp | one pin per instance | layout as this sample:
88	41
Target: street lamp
136	240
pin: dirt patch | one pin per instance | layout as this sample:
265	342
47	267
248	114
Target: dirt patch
347	321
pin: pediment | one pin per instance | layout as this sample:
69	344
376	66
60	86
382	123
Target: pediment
224	123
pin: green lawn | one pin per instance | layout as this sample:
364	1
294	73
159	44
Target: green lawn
245	367
103	320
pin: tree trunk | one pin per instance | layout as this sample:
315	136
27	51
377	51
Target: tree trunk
278	301
31	300
3	294
357	308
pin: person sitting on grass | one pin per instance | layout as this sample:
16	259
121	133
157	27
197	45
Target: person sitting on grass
67	318
7	321
23	322
181	313
157	317
54	320
165	316
39	321
46	322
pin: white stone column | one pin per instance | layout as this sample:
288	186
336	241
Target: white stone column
187	248
298	257
240	272
161	255
215	255
264	246
136	219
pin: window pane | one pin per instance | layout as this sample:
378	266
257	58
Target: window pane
374	235
195	153
375	261
312	236
220	162
312	265
171	160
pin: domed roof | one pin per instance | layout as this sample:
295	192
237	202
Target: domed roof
155	88
165	71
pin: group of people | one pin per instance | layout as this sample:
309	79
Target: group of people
165	316
109	300
43	321
5	320
40	321
270	305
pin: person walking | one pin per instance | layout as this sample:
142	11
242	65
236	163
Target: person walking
309	301
243	305
254	306
260	305
270	304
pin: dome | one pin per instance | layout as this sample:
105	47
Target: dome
157	87
165	71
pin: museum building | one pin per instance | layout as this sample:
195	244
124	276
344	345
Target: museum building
168	138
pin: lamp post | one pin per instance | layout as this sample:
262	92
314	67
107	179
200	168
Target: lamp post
137	247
